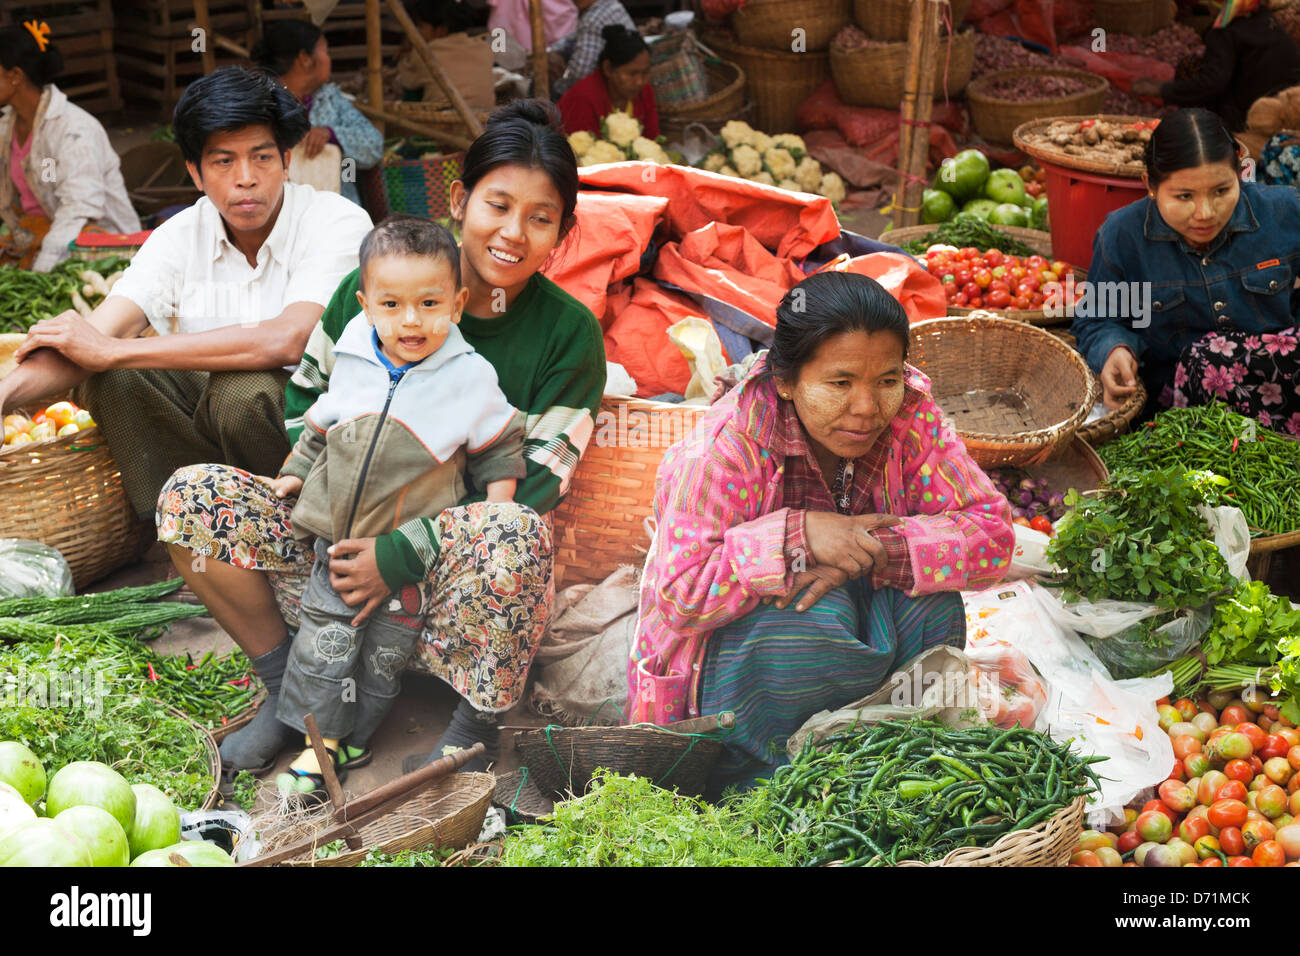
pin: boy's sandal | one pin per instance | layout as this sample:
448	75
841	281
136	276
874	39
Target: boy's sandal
353	758
309	787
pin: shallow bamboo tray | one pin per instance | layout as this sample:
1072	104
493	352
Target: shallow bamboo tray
1050	843
1056	156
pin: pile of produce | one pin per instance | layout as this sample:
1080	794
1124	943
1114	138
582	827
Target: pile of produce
628	821
967	230
55	421
917	790
1033	502
1232	798
27	297
621	138
965	184
1096	140
993	53
1172	44
1142	539
1019	89
992	280
1260	465
781	160
87	814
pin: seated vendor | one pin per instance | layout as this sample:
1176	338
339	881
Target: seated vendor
813	531
467	60
1247	55
41	131
578	54
1195	284
298	53
233	286
621	82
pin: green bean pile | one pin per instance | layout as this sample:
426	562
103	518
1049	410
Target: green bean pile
27	297
1263	467
918	790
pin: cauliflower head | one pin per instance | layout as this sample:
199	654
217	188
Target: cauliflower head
780	162
581	142
715	161
832	187
643	148
737	133
791	185
729	171
602	152
789	141
761	141
622	128
808	174
764	177
747	161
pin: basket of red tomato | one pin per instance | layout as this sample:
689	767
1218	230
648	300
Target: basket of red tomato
1031	289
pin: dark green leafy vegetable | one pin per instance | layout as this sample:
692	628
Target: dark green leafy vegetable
963	230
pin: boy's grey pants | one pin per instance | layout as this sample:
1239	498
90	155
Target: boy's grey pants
346	676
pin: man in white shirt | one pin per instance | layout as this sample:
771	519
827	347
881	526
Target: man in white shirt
233	286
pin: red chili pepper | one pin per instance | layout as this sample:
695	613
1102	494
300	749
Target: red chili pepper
192	667
1235	443
242	682
152	675
1086	123
224	721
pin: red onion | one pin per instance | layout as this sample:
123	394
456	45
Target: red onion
1023	88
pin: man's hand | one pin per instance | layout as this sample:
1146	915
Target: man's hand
286	486
314	141
355	576
1118	377
72	337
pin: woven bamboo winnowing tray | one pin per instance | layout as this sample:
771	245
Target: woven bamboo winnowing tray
1050	843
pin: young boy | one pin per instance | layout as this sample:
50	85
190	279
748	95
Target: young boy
411	411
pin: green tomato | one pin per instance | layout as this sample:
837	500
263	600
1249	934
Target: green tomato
937	206
964	175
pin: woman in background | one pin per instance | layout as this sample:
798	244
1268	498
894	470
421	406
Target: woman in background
620	82
467	60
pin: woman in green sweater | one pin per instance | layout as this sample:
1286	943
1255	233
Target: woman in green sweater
479	574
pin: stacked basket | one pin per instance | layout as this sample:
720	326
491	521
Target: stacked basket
877	75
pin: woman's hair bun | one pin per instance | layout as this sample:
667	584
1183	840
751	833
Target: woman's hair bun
535	111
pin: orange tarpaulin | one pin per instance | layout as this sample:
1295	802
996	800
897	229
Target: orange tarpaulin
920	293
637	336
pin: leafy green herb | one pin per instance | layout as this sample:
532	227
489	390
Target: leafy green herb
246	788
1249	625
966	229
430	856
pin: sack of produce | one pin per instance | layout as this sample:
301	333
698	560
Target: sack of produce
31	569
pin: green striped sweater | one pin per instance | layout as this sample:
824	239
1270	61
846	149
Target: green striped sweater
549	357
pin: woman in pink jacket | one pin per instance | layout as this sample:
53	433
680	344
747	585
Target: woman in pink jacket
813	532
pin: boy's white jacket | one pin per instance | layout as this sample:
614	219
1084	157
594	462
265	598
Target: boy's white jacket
373	455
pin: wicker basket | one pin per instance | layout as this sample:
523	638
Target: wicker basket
418	187
1077	466
1134	17
1036	239
778	82
448	815
996	120
438	115
877	76
725	101
1053	154
677	70
1015	393
562	759
67	493
213	755
1050	843
518	796
240	720
889	19
1117	422
770	24
601	523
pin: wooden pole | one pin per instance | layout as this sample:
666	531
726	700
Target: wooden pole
374	58
541	72
332	785
204	20
442	136
422	48
915	110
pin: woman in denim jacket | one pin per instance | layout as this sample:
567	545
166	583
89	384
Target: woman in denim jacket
1194	287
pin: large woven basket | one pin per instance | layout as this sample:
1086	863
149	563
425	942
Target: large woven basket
889	19
438	115
449	815
1134	17
778	82
771	24
877	76
1036	239
1050	843
601	523
1117	422
67	493
561	760
996	119
518	796
417	187
1014	393
1053	154
725	101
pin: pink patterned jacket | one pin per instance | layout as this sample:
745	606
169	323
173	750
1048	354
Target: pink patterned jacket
730	502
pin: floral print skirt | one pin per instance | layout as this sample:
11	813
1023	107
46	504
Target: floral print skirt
1257	375
485	606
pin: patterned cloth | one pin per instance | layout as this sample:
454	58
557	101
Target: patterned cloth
730	504
776	668
485	605
1280	161
158	420
584	46
1257	375
357	137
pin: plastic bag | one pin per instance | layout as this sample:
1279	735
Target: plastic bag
1011	692
1115	719
1132	652
702	348
31	569
232	830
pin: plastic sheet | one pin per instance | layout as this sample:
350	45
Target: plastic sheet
31	569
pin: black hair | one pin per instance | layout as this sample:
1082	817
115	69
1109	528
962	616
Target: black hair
410	236
18	48
231	98
526	133
622	45
282	41
452	14
1186	139
825	305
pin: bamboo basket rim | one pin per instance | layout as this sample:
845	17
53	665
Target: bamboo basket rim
735	85
975	90
240	720
1058	158
727	43
1117	421
14	454
422	832
213	754
1011	849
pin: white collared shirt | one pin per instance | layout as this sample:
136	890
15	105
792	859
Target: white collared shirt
189	277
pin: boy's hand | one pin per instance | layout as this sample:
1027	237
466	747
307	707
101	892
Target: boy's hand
287	486
503	490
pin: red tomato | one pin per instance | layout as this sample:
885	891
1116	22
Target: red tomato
1234	714
1179	773
1156	826
1228	813
1021	521
1254	732
934	267
971	290
1059	267
1017	272
1238	770
1029	283
1177	796
1240	861
1041	523
1184	745
1193	828
1211	861
963	275
1232	790
1159	806
1256	764
999	299
976	302
960	300
994	257
1000	285
1047	275
1293	757
1231	841
1129	841
970	252
1256	832
1035	263
1275	745
1020	302
1268	854
1037	300
1291	735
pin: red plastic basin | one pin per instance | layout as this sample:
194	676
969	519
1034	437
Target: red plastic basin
1078	203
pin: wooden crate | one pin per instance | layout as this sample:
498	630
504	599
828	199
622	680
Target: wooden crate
84	36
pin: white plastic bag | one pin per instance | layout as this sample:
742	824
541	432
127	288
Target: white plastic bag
32	569
696	339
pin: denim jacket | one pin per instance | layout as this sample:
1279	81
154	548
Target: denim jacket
1244	281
